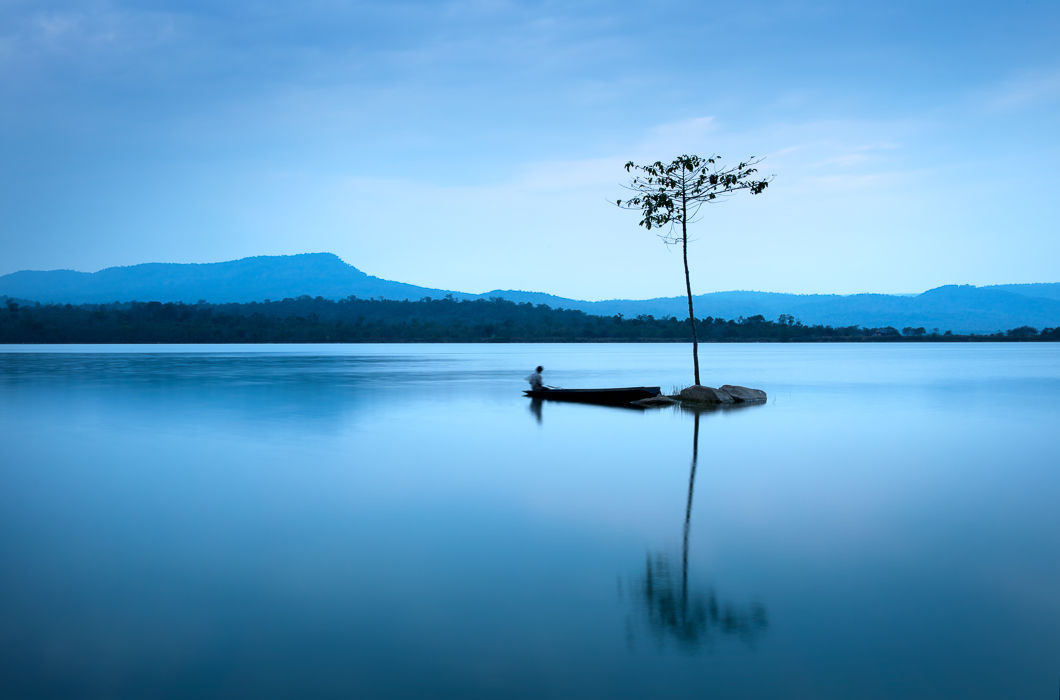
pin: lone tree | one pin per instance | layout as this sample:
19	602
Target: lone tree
670	195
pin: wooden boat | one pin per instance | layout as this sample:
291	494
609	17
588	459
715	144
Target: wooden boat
611	397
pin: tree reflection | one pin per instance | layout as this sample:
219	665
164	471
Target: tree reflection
688	615
693	617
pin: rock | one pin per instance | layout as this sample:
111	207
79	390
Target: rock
705	394
744	395
655	401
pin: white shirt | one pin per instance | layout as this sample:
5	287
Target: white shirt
535	381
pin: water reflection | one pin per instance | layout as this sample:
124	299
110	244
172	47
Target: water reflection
691	616
386	523
535	409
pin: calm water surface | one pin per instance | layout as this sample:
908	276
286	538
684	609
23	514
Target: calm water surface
397	521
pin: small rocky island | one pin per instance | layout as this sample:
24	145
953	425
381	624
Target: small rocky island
727	394
706	396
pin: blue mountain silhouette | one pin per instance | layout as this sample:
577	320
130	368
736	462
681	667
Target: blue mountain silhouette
960	308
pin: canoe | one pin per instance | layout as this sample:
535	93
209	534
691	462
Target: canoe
615	397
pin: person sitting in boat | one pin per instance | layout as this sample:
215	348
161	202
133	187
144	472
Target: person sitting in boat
536	383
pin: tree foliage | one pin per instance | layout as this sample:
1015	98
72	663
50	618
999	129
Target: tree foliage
670	195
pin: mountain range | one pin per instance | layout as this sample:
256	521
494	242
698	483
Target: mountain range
959	308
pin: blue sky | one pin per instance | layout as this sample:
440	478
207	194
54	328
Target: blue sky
476	145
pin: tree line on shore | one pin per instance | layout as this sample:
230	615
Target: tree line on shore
352	320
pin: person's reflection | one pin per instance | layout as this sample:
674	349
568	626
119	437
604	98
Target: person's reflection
535	408
691	616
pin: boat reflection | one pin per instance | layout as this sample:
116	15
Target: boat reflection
537	407
689	615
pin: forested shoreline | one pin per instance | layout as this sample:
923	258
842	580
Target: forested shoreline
353	320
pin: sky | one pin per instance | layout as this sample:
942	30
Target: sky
479	145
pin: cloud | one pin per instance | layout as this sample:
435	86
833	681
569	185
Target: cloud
678	137
567	205
101	29
846	155
1025	91
854	156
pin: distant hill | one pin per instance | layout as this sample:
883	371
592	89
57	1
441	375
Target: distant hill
1041	290
961	309
249	279
958	308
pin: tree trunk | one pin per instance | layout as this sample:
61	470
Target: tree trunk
688	285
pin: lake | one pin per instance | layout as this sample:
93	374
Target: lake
397	521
